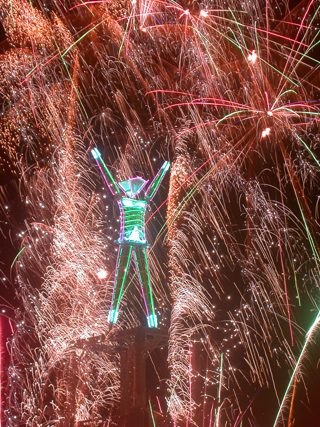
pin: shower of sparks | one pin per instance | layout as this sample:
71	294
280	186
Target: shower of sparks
229	93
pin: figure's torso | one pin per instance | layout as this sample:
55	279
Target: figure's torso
132	221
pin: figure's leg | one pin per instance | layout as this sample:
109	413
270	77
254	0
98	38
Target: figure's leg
140	256
122	267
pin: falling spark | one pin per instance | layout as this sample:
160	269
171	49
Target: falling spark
203	13
253	57
102	274
266	132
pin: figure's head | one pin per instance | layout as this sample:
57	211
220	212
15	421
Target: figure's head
132	186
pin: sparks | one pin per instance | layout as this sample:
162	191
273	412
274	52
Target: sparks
266	132
253	57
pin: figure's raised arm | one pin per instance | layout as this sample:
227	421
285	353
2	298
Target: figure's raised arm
113	187
155	184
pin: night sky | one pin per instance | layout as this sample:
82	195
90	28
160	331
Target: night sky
120	105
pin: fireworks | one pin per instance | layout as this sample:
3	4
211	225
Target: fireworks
229	93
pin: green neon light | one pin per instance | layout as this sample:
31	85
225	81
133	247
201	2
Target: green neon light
124	277
155	184
307	148
83	36
133	212
132	220
138	268
149	281
309	337
151	412
17	256
116	276
111	182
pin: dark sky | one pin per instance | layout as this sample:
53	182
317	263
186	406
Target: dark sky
306	398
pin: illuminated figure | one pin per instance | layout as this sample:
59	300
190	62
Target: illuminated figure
132	238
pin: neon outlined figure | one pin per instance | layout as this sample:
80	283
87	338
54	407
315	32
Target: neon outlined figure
132	239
